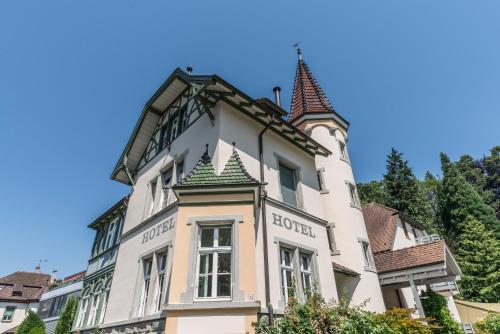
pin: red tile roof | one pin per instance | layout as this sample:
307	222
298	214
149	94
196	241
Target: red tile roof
29	285
381	223
308	97
344	270
74	277
411	257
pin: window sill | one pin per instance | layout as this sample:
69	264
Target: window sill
335	252
211	305
322	192
6	321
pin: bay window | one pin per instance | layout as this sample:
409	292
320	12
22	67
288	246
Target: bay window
214	259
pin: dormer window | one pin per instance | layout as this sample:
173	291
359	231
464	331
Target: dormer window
17	293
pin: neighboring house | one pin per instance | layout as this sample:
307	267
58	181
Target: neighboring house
408	260
99	273
19	293
52	302
233	210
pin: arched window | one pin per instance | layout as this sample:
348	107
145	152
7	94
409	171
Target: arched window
104	298
82	310
94	305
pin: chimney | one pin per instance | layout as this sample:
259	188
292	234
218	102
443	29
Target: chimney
277	95
37	269
53	276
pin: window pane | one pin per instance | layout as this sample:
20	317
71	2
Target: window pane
224	237
224	263
305	263
207	237
147	267
286	257
223	285
306	282
206	264
205	286
288	186
163	261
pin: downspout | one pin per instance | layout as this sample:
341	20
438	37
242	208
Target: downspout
127	171
264	224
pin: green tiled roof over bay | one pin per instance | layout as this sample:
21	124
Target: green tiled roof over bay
204	173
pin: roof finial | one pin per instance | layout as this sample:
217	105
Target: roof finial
206	158
234	146
299	51
189	69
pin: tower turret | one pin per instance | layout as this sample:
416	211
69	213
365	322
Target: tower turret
311	111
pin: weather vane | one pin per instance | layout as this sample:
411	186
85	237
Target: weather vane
297	46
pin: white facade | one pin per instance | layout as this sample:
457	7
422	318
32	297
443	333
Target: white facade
20	312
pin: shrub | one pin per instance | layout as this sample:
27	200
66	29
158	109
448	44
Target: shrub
316	316
489	325
65	322
436	308
31	322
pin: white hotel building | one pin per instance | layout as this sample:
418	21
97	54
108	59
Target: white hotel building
236	205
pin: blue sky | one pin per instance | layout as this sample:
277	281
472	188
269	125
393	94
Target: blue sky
422	76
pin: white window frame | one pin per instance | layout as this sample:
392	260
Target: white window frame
94	306
353	195
146	284
306	273
215	251
162	278
343	151
82	312
366	252
179	170
165	193
112	231
11	317
284	268
105	296
330	231
152	190
320	174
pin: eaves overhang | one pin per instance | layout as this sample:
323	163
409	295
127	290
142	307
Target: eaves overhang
110	213
212	89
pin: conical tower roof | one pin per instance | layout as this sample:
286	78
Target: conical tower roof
308	97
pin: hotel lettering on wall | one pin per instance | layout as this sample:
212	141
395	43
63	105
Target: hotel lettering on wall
293	225
158	229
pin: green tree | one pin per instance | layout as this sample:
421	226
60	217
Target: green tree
435	308
478	254
29	323
457	199
372	192
489	325
401	187
67	317
492	168
428	189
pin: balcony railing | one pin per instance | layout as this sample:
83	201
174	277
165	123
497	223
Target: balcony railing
445	286
427	238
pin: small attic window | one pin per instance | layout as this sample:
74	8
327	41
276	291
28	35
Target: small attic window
17	293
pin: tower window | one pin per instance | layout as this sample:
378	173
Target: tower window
343	151
353	195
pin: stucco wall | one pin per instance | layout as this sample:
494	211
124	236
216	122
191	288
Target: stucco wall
19	314
349	222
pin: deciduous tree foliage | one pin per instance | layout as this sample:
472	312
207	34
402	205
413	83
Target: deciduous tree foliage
31	322
65	322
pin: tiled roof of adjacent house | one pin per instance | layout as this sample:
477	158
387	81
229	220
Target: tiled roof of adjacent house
308	97
204	173
411	257
23	286
381	223
344	270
